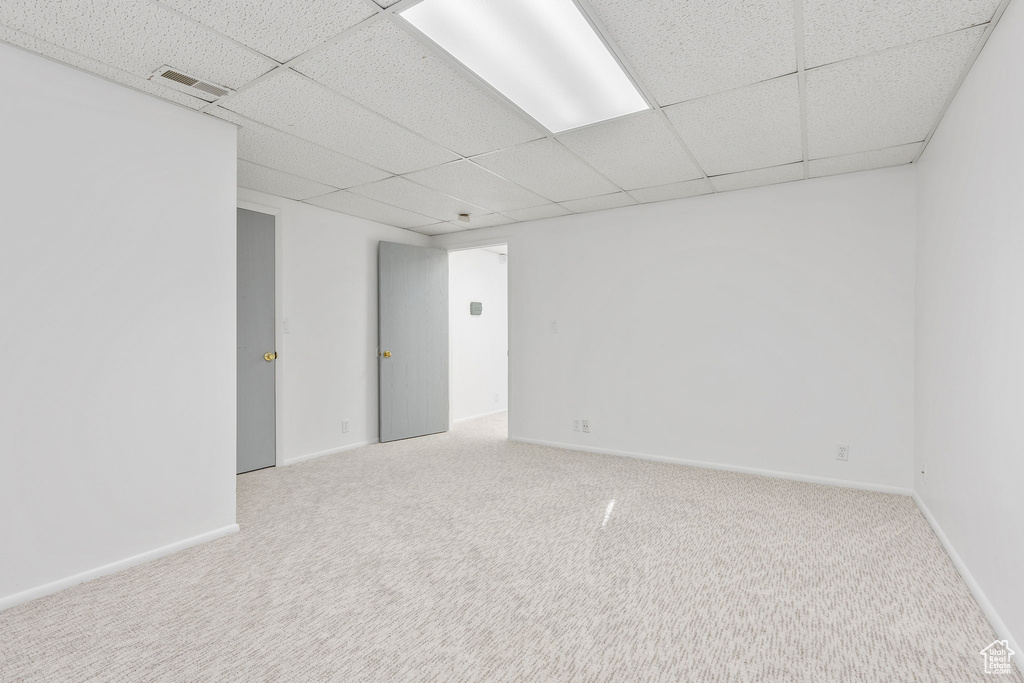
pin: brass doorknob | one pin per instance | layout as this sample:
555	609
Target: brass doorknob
387	354
270	355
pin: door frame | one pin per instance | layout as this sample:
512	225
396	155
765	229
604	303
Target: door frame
278	324
483	244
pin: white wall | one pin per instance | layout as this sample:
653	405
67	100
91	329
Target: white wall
478	344
753	329
970	317
117	267
327	360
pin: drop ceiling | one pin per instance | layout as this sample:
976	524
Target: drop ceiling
343	105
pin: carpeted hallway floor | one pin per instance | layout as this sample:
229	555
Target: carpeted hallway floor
463	557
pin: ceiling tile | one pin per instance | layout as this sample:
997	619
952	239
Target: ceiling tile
548	169
295	104
839	29
408	195
690	188
466	180
278	183
605	201
268	147
364	207
762	176
634	151
878	158
683	50
383	67
537	212
887	99
40	47
752	127
281	29
138	37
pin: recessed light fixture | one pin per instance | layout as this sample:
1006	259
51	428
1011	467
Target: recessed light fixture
543	55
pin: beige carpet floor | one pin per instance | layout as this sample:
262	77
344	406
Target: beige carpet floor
463	557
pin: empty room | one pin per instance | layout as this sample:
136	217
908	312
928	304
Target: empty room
511	340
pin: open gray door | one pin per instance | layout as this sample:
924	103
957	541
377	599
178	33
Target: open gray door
413	314
257	441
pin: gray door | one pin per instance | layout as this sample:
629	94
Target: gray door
413	314
256	353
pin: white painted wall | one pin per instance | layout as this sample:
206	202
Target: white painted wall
478	344
970	323
754	329
327	360
117	267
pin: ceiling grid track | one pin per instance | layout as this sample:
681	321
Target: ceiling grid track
208	29
963	76
332	41
801	76
299	137
591	16
254	82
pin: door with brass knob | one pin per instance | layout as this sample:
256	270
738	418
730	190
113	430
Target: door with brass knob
256	435
413	327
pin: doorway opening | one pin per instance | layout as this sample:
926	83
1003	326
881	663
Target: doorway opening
478	337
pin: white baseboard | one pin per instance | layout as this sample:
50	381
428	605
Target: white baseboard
473	417
979	595
883	488
88	575
329	451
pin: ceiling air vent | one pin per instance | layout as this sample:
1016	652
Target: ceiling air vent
208	92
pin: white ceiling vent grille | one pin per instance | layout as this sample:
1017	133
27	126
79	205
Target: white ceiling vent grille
189	85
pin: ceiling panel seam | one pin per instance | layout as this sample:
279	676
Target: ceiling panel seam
591	15
311	142
963	75
801	79
869	151
288	173
333	40
378	115
455	197
896	48
214	31
279	69
378	201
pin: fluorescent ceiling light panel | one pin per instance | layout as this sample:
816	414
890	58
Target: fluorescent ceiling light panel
541	54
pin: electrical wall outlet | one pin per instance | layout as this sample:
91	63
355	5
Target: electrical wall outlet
586	426
344	426
842	451
575	424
